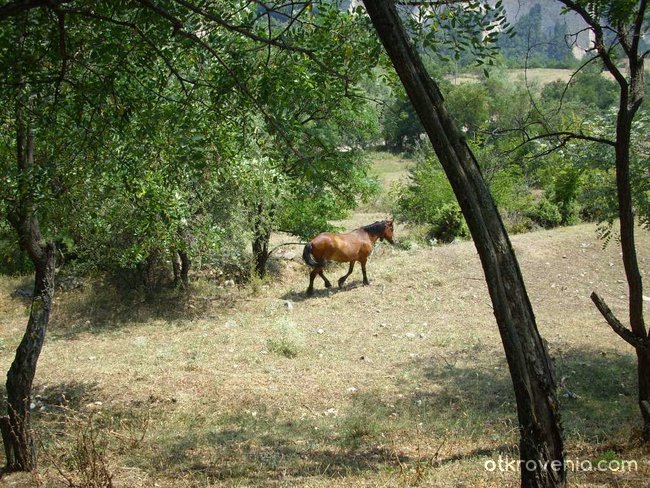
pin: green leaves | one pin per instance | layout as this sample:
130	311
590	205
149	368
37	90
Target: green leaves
457	30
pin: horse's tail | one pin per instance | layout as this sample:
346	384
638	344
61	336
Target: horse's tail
309	257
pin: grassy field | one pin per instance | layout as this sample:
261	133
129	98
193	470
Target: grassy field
534	76
402	383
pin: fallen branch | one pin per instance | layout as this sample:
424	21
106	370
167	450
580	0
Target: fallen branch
286	244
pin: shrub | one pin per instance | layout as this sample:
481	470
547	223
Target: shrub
448	224
428	190
545	214
13	261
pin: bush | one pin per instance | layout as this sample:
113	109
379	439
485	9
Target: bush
13	261
448	224
545	214
427	191
517	222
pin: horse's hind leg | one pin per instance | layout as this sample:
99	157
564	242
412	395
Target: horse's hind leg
345	277
312	276
322	275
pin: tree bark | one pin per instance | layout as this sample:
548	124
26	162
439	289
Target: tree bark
630	100
529	363
16	430
185	268
260	244
261	252
176	266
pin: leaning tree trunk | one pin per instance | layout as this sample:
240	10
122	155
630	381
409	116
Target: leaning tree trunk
530	366
16	430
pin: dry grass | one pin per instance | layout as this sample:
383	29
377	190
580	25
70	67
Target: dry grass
400	383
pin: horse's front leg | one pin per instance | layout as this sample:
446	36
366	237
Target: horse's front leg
363	270
345	277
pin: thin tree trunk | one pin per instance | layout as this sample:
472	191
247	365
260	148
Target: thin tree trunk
632	91
16	430
260	244
531	369
176	266
261	252
185	268
627	109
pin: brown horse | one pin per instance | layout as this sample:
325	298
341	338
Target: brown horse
344	248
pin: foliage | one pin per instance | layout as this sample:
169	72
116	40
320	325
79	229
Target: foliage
546	213
448	224
588	90
153	152
429	199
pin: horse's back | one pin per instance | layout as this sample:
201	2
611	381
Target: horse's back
340	247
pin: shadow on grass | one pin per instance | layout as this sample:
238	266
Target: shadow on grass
302	296
468	402
597	392
263	450
102	308
56	398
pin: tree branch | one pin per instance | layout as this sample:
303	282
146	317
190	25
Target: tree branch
626	334
18	7
600	42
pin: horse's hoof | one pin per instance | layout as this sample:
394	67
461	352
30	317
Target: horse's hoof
328	285
341	283
366	283
310	291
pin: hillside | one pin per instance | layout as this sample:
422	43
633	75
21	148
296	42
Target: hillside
399	383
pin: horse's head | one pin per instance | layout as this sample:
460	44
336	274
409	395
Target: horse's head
388	231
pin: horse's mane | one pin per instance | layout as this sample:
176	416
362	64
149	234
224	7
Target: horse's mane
376	228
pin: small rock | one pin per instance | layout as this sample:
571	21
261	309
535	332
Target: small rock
320	331
288	304
229	283
353	389
409	335
331	412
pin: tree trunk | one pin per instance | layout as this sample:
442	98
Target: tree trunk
16	431
176	265
261	239
261	252
531	369
629	102
185	268
632	91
